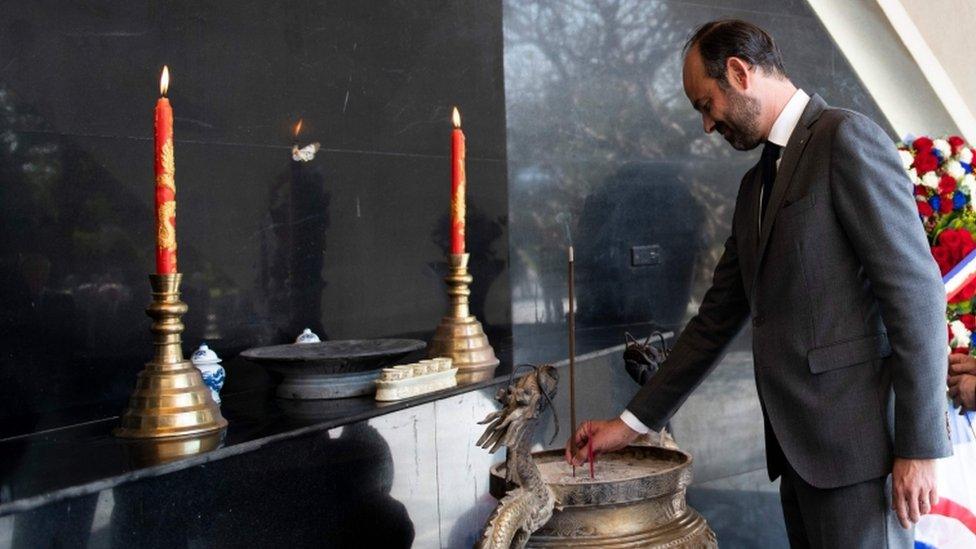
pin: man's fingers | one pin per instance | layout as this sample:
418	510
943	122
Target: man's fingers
924	504
574	454
573	442
580	457
966	365
913	509
901	509
582	433
930	498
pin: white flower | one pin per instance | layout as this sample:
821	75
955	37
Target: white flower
968	184
943	147
930	180
913	175
954	169
960	335
906	158
966	155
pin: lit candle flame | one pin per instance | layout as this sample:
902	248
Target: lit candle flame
456	118
298	127
164	81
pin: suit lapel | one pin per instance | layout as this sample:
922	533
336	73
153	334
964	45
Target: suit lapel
784	175
750	242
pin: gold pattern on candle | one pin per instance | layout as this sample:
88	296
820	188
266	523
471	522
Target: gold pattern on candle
167	232
166	178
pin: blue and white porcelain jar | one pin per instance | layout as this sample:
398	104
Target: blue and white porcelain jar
307	336
213	373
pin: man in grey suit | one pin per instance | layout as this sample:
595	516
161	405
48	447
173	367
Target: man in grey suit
829	263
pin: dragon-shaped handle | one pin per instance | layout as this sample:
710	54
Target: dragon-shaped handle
528	504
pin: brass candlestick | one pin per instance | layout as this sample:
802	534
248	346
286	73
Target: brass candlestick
460	335
170	399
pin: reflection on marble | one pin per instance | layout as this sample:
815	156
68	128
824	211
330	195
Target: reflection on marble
605	152
351	244
744	510
721	422
414	465
462	479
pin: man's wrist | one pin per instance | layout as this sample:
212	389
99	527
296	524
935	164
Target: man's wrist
635	424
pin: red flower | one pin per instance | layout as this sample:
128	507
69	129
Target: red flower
925	162
922	144
969	321
958	244
945	204
943	257
961	351
955	237
956	143
964	295
947	185
921	190
924	208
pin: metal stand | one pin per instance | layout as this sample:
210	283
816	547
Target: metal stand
170	399
460	336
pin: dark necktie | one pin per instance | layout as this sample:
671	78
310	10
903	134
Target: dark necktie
767	161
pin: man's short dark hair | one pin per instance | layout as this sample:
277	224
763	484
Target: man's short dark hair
719	40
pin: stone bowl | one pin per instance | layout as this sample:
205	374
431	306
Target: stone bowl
331	369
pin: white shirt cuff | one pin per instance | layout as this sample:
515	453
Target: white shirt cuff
634	423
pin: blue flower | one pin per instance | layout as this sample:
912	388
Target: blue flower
938	154
968	168
958	200
935	202
972	339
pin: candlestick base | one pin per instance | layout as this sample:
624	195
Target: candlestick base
460	336
170	399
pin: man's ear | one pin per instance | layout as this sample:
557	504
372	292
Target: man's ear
738	73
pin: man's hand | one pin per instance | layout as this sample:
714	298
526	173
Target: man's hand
962	364
962	390
913	491
962	381
606	436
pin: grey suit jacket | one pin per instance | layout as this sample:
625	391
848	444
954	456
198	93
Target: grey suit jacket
846	303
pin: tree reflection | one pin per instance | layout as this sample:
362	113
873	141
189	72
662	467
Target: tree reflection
593	91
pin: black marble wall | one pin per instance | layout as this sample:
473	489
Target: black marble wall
350	244
605	152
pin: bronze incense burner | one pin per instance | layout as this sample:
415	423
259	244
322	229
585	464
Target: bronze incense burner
645	509
637	498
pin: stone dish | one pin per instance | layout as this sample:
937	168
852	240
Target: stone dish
331	369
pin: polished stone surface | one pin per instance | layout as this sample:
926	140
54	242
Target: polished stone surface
79	483
413	464
606	153
351	244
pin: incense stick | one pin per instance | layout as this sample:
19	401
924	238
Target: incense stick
572	348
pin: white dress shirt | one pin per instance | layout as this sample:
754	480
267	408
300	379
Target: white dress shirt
779	134
783	128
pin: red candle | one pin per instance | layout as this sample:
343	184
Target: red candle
165	183
458	184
